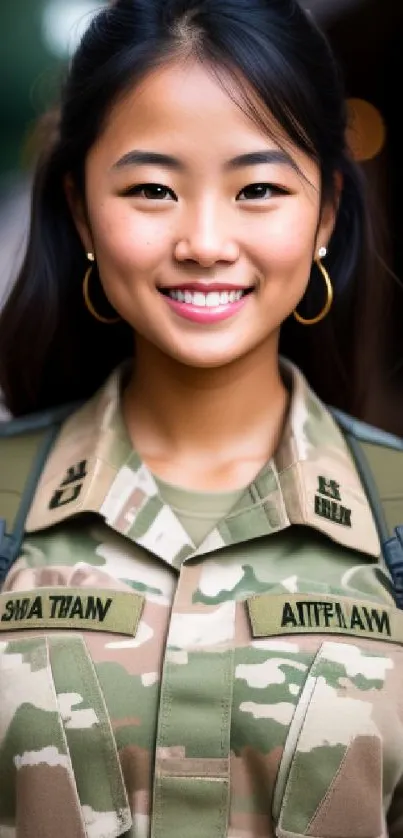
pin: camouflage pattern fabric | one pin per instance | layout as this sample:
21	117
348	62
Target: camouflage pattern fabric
249	688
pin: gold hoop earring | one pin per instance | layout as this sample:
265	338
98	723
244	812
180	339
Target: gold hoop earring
328	304
88	303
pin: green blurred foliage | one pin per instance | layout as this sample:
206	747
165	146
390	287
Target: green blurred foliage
30	77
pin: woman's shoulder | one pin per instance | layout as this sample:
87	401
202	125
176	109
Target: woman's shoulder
25	443
35	446
378	457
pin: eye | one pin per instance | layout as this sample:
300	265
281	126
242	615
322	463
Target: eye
151	192
260	191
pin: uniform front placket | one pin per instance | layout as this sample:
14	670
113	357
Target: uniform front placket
192	768
192	784
191	789
191	792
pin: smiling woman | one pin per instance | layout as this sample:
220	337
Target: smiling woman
199	632
226	211
66	368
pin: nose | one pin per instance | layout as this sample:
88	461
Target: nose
206	238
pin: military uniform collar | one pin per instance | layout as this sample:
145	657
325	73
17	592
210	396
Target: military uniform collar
319	480
312	481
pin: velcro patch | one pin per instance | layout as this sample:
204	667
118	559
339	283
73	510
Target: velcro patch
279	614
85	609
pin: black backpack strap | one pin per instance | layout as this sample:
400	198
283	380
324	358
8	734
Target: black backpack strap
24	448
379	460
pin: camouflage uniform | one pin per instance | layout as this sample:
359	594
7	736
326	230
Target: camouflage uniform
248	688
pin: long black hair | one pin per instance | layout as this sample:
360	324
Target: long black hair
51	349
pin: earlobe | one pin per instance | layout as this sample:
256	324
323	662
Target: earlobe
325	231
329	213
77	209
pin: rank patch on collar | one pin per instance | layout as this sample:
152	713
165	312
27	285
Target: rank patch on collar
328	503
71	485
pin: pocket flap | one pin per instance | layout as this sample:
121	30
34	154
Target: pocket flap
90	738
60	770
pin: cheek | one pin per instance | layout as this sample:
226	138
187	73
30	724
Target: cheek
126	240
285	242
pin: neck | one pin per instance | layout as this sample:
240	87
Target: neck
176	413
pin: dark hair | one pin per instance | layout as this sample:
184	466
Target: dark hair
51	349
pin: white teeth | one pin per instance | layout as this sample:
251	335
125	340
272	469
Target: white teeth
212	299
199	299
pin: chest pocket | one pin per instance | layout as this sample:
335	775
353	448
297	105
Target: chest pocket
58	755
342	754
59	765
330	781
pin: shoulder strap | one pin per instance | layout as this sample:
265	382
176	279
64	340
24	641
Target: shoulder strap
24	447
379	460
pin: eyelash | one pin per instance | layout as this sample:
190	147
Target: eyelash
275	190
135	191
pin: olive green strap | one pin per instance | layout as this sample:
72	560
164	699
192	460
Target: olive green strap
22	458
25	443
370	469
379	460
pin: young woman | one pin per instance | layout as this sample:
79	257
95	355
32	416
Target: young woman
198	635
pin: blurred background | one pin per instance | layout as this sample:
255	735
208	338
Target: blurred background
37	38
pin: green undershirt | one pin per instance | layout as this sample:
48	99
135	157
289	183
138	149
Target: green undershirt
198	512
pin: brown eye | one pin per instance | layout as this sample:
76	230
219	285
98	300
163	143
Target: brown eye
259	191
151	192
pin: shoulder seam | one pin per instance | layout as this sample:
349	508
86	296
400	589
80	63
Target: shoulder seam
366	433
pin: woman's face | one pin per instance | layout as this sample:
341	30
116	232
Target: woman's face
203	228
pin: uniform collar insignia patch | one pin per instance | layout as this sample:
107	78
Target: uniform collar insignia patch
328	503
70	487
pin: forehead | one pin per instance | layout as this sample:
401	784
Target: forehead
182	98
186	108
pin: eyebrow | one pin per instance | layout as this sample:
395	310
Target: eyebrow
166	161
257	158
148	158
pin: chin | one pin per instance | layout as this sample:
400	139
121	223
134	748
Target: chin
208	360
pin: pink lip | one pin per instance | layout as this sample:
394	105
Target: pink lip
205	314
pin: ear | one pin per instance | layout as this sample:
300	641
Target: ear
329	214
78	211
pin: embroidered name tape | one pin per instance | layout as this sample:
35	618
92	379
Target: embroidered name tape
117	612
277	614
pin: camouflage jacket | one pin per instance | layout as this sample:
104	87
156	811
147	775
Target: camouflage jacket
250	688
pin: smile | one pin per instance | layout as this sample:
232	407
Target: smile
212	299
205	307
